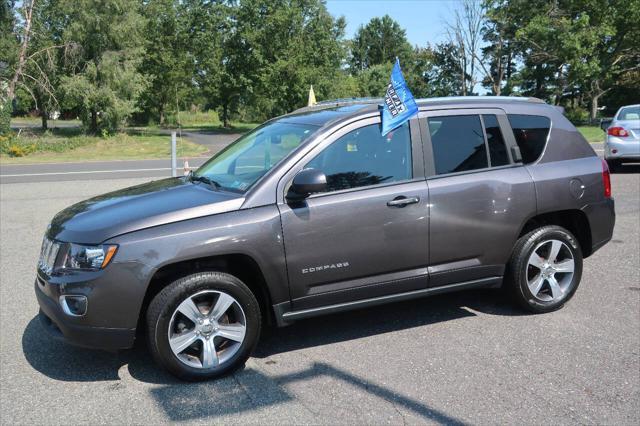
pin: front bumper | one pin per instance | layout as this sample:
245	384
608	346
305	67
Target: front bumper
74	330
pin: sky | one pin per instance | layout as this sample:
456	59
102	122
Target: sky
422	19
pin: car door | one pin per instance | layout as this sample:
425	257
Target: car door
479	197
366	235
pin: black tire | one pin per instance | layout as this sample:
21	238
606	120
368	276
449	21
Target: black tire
516	279
166	302
613	165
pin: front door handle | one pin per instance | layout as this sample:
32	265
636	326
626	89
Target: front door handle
403	201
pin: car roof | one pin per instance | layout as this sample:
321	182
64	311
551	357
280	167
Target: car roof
327	112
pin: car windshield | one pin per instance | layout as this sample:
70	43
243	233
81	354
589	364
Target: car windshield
629	113
241	164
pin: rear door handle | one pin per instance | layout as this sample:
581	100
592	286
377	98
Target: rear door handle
403	201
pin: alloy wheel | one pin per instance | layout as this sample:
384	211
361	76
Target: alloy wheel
207	329
550	270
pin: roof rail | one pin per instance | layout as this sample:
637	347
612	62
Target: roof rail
349	101
340	102
483	97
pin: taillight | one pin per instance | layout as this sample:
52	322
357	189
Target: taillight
606	179
620	132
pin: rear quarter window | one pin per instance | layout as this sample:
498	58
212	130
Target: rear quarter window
531	132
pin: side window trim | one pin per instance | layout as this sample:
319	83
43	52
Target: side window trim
427	147
415	134
509	138
486	139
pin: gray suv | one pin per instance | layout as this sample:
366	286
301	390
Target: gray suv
314	213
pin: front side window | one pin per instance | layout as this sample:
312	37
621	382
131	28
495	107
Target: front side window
363	157
531	132
242	163
458	143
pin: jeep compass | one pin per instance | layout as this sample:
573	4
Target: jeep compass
315	212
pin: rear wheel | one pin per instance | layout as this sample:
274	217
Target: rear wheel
545	269
203	326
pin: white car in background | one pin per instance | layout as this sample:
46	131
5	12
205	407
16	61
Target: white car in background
622	141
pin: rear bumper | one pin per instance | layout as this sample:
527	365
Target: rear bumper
602	220
624	150
60	326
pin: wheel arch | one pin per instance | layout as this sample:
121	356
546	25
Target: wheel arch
574	220
240	265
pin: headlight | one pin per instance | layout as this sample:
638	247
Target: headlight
79	256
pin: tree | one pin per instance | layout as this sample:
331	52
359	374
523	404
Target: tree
103	82
166	62
447	75
225	54
465	33
34	63
500	51
300	44
27	7
379	42
45	55
8	48
580	48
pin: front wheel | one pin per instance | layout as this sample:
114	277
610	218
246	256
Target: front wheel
545	269
203	326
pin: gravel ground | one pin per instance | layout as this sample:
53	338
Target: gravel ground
459	358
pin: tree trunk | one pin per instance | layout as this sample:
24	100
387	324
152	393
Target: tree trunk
594	107
44	117
93	126
225	116
161	114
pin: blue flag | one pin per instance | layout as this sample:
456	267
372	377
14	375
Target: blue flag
399	105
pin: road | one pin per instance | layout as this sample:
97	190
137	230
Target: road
122	169
466	358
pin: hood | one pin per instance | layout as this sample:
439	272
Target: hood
143	206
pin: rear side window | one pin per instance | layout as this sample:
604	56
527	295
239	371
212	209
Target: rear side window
497	148
458	143
531	132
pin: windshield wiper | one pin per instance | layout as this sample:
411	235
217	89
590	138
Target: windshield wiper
193	178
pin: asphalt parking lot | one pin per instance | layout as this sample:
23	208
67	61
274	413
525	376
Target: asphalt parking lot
455	359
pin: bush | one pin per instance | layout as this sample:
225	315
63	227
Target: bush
5	113
577	115
47	142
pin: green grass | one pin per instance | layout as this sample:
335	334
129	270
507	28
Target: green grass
236	127
592	134
30	144
69	144
37	121
205	121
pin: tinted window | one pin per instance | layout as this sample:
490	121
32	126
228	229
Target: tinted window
458	143
363	157
497	148
531	133
242	163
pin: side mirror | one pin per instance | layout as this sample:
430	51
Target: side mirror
605	123
305	183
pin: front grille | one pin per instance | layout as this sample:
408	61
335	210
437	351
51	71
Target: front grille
48	255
